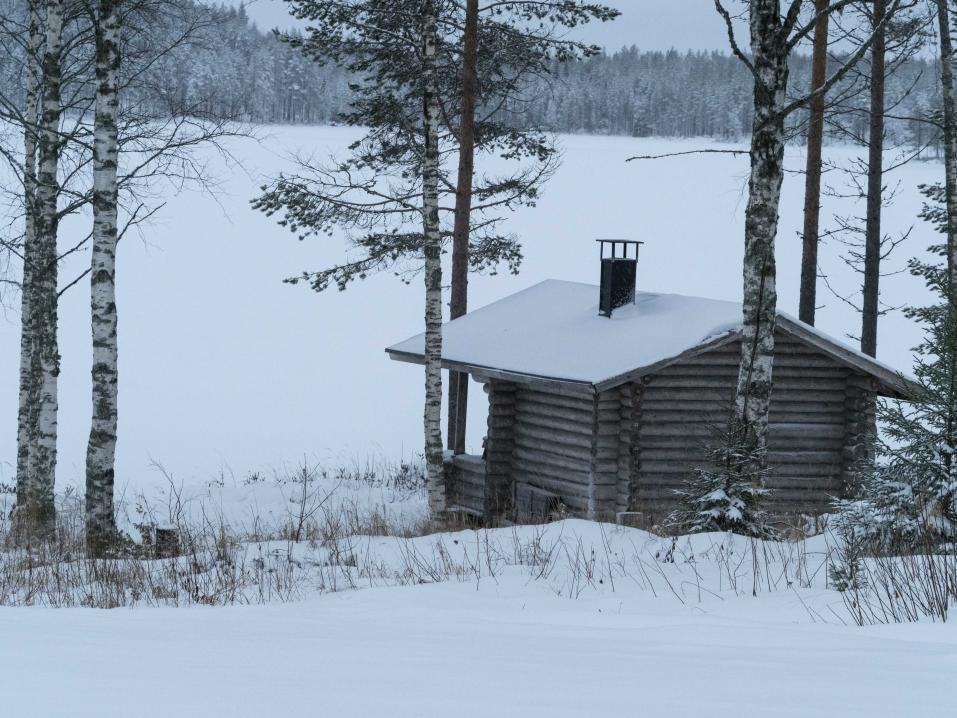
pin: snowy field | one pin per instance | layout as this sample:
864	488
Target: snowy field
576	619
225	370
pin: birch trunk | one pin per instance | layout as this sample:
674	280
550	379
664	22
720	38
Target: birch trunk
812	185
101	449
458	303
769	53
38	509
432	250
950	144
27	390
875	186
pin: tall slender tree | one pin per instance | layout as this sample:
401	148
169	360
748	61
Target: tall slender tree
101	448
875	183
35	498
520	37
944	28
32	72
773	37
432	251
458	301
812	184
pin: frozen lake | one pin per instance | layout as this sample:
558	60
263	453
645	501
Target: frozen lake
225	369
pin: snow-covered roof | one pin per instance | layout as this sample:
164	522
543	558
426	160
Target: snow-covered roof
553	331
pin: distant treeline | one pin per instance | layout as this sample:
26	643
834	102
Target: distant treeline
708	94
237	70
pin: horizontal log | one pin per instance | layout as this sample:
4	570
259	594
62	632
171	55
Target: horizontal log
783	431
720	397
604	472
560	426
583	393
784	360
538	466
780	413
693	411
793	491
557	423
535	408
558	462
813	456
781	437
791	381
534	437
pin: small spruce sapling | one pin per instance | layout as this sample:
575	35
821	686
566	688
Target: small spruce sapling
727	493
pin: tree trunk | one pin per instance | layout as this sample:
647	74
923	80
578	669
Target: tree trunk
101	449
950	169
39	509
769	53
812	183
950	145
28	384
433	266
458	304
875	187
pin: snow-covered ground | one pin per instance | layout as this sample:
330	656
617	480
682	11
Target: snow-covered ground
225	370
576	619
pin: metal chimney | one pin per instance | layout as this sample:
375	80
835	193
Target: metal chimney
619	273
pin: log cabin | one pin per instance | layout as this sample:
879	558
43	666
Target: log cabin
602	400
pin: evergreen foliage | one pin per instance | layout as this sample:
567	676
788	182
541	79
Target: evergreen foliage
727	493
910	492
373	192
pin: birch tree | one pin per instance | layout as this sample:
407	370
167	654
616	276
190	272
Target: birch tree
773	36
432	251
35	497
155	150
101	449
31	72
76	72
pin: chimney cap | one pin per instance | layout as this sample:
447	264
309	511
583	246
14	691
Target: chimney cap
625	243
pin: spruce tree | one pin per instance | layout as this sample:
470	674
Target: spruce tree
910	491
726	494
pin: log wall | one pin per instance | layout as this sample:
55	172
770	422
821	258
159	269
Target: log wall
553	447
684	403
628	448
466	487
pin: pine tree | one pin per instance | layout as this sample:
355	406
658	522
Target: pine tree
726	494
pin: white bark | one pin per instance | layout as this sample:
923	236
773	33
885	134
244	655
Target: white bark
769	53
38	508
433	267
101	449
27	375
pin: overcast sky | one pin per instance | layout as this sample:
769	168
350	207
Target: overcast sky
649	24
